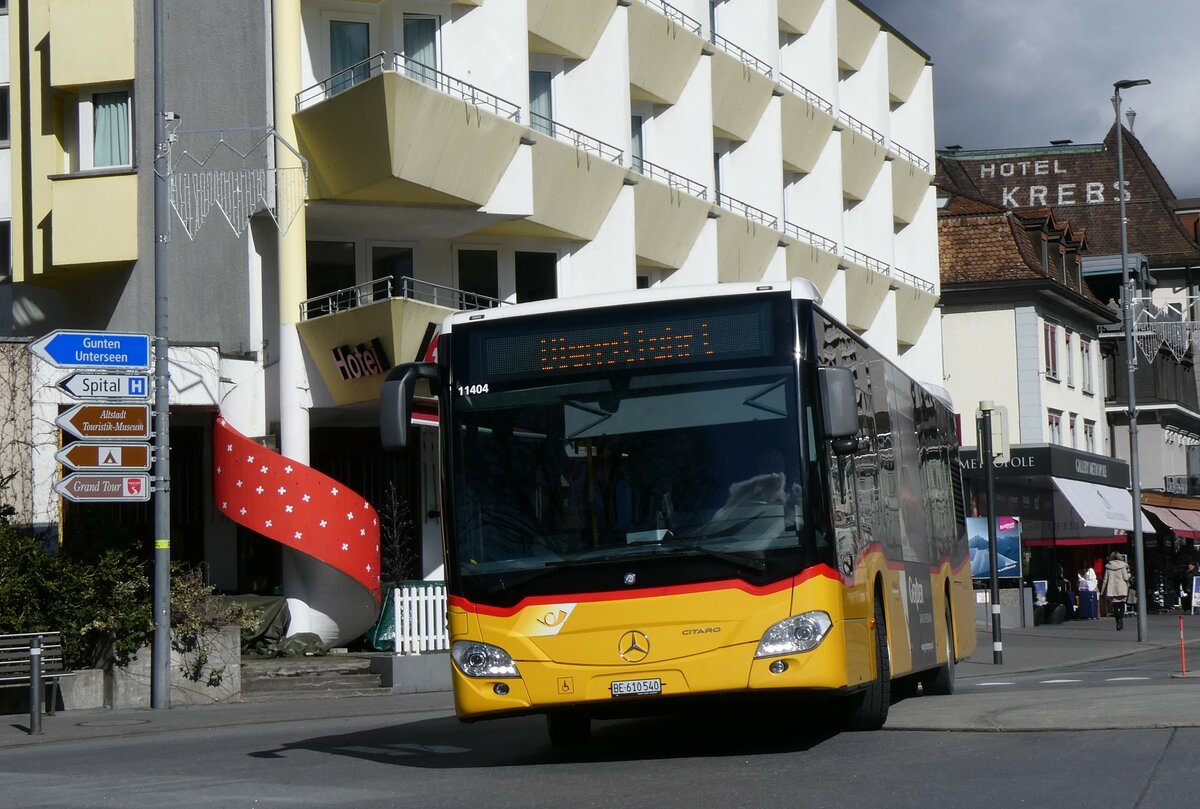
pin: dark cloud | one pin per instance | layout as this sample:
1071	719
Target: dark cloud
1025	72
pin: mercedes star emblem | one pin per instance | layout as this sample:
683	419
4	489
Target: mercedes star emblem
634	646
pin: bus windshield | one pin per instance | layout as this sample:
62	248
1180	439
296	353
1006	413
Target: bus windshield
694	472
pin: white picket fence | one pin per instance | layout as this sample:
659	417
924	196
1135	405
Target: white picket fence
420	610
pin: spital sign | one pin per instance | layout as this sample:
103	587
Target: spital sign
124	421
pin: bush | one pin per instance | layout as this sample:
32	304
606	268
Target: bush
194	612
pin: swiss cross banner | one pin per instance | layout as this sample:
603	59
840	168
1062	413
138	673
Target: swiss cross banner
296	505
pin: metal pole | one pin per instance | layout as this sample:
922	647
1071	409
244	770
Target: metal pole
160	650
35	686
989	477
1130	365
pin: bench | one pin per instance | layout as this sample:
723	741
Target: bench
15	663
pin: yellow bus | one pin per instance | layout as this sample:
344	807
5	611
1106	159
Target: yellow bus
657	496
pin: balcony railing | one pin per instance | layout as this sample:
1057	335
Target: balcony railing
579	140
675	15
383	289
678	181
912	280
808	95
399	63
747	210
742	55
911	157
863	259
805	235
861	128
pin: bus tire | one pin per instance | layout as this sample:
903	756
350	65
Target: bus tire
940	681
568	729
869	707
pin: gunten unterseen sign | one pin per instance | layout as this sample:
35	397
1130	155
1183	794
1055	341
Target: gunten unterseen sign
88	349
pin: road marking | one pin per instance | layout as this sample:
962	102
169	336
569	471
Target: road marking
1124	679
1059	682
985	684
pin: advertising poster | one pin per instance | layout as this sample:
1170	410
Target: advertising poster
1040	587
1008	548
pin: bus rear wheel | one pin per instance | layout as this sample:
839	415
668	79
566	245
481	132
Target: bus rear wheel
568	729
940	681
869	707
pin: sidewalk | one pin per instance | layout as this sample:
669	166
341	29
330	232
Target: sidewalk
1025	650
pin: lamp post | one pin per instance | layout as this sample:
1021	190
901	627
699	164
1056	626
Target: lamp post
1130	365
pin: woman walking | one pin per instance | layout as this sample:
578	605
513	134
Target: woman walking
1115	587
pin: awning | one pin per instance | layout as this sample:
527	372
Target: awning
1100	506
425	414
1173	520
1113	539
1191	518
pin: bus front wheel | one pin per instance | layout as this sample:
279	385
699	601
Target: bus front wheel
869	707
568	729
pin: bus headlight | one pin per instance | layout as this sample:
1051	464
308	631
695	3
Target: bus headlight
476	659
800	633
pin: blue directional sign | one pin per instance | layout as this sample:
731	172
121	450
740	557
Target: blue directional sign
90	349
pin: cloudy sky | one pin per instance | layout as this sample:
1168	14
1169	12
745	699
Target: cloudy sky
1025	72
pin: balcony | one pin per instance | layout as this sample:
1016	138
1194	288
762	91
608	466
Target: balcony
863	154
664	48
904	68
867	285
742	86
810	255
807	124
856	32
353	336
745	243
568	28
911	177
93	43
915	301
94	219
796	16
670	214
453	153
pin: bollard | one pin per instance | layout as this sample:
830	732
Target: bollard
35	686
1182	650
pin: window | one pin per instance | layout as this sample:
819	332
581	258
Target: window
635	141
541	102
349	48
1074	434
4	118
1070	359
104	130
330	269
1089	435
1085	364
478	274
5	250
1055	427
392	265
1050	333
420	48
536	276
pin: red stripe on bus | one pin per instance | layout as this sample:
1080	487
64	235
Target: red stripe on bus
817	571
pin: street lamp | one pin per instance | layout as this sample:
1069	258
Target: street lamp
1130	364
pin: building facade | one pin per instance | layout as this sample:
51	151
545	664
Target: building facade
452	154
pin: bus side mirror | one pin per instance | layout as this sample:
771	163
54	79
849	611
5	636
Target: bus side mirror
396	399
840	407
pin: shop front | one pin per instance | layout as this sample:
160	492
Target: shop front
1073	509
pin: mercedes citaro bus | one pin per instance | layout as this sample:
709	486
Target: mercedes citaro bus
655	496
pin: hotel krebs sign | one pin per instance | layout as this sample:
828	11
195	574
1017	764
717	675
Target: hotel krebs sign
1039	183
1053	461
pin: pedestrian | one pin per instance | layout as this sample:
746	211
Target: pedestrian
1115	587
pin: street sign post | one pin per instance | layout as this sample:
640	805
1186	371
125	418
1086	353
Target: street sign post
82	487
89	456
83	385
89	349
112	421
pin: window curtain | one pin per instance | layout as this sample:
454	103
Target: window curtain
541	104
111	127
349	44
420	48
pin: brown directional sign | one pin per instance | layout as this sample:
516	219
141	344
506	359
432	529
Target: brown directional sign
112	421
105	456
81	487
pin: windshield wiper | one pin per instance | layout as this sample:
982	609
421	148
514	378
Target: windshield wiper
735	559
520	577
